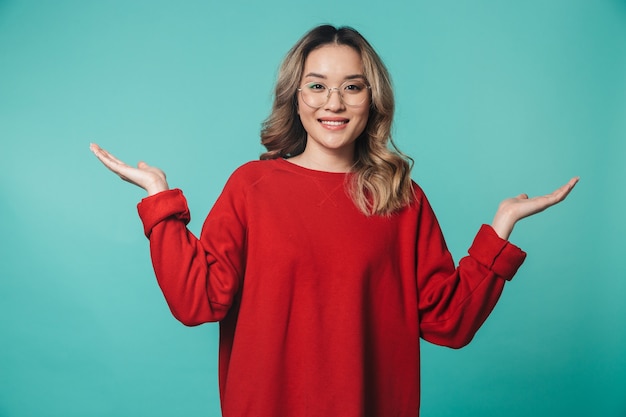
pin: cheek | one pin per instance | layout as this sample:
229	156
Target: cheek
300	105
305	120
364	116
304	111
363	123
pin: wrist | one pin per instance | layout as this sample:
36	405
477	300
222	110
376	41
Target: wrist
157	187
503	224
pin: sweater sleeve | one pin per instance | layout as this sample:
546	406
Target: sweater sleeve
198	277
455	301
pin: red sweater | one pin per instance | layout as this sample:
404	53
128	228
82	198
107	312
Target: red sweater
321	308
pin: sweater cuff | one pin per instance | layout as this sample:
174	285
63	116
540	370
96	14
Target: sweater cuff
158	207
497	254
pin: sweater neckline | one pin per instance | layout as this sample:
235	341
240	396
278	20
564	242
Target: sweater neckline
311	172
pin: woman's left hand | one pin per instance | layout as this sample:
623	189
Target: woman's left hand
514	209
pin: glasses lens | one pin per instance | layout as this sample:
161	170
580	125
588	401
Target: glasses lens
353	93
314	94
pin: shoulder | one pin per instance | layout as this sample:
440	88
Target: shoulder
254	169
418	194
420	205
253	172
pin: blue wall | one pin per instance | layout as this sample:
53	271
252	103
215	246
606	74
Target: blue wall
494	99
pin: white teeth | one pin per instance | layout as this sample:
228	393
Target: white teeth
333	123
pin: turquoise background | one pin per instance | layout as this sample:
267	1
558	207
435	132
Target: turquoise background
494	98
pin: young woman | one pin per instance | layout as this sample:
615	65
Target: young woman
323	261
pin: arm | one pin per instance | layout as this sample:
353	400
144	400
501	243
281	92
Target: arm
455	301
199	279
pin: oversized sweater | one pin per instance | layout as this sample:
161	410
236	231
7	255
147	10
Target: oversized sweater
321	307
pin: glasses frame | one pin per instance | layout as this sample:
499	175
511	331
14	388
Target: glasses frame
330	91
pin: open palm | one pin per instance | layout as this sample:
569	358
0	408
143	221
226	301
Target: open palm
514	209
150	178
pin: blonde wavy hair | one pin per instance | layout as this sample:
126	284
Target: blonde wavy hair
381	183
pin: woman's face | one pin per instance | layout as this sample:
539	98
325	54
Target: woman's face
333	127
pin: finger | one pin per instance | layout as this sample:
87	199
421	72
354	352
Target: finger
97	151
101	153
123	170
567	188
565	192
108	159
561	193
572	183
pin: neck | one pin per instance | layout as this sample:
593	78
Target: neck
324	162
321	158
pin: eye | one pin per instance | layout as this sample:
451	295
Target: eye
316	87
354	87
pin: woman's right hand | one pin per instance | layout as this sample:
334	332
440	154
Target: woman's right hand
149	178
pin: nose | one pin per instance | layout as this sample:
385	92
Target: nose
334	101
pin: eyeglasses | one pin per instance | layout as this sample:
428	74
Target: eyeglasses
351	92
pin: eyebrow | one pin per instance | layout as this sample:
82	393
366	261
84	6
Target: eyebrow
348	77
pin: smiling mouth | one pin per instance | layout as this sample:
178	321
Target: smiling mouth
333	122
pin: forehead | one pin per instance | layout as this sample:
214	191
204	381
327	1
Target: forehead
333	61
